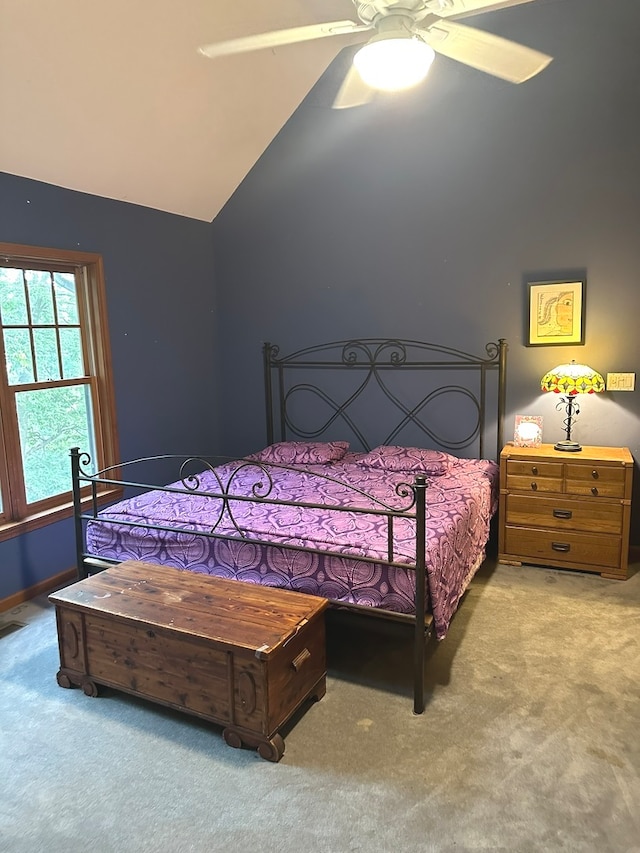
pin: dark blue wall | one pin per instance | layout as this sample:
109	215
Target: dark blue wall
419	217
162	317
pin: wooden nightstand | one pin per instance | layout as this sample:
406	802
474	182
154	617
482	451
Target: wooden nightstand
568	510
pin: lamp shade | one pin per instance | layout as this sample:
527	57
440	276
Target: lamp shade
571	379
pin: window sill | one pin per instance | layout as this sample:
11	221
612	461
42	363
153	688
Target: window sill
10	529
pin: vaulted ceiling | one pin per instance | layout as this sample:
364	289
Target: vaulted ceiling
113	99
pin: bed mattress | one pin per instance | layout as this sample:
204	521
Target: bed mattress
349	563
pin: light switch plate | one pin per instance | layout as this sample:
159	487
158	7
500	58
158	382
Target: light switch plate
621	381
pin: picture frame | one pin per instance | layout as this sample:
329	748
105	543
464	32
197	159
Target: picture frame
556	311
527	431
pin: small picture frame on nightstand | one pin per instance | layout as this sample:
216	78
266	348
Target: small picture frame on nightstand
528	431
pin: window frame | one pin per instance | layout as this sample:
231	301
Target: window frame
18	517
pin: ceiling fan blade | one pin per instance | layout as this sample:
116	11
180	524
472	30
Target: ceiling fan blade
354	92
461	8
279	38
486	52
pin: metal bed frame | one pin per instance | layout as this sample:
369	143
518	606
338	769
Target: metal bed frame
372	364
375	361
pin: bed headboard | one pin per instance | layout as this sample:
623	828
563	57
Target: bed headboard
375	391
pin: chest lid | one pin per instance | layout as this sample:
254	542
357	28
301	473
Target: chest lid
228	612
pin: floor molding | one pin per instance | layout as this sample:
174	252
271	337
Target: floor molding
48	585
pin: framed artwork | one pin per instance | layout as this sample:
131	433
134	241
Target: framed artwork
528	431
556	313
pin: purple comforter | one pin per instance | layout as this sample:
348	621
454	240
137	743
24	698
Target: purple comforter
460	504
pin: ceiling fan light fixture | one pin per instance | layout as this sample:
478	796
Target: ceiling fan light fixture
392	64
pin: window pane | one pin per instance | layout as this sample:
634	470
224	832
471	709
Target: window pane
66	300
46	345
51	421
71	346
40	297
13	306
17	350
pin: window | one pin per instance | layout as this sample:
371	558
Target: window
55	380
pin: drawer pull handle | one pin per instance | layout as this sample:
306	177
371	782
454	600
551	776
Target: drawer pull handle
534	486
534	470
300	659
595	475
560	546
594	491
562	513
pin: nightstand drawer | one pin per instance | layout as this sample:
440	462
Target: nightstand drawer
530	483
588	516
559	546
533	468
595	480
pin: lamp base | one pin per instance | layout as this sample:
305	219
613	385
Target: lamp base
568	446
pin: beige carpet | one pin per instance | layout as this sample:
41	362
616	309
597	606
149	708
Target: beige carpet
529	741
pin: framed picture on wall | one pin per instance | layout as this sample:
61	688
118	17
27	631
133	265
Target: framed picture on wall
556	313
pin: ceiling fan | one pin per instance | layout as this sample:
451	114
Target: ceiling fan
402	38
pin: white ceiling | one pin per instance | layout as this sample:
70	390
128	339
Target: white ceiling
110	97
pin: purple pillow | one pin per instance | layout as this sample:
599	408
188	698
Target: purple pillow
302	452
395	458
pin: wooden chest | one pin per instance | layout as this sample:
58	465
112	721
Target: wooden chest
570	510
237	654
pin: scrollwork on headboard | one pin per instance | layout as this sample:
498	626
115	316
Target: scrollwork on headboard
376	391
